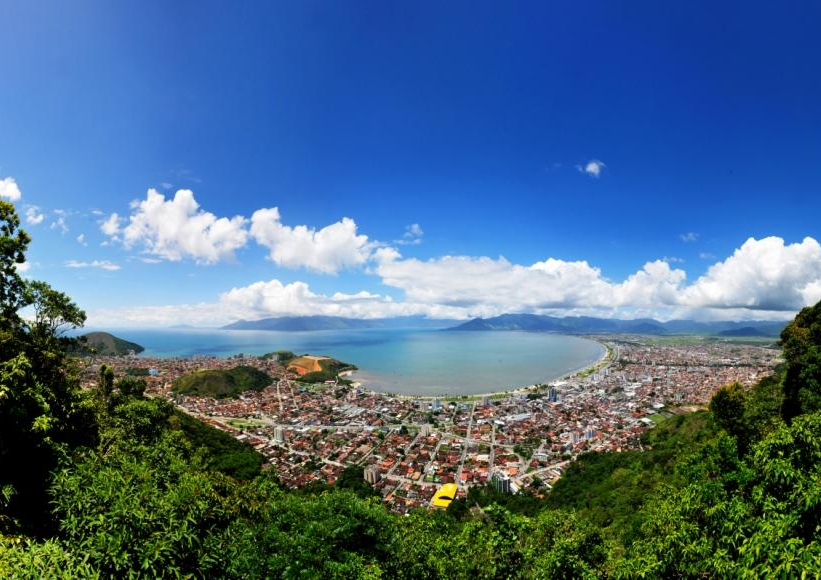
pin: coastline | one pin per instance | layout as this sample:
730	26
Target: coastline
602	362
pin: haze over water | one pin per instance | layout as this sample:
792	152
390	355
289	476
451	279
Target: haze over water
406	361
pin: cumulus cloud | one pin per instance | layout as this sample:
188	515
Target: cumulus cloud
655	286
178	228
273	298
81	239
100	264
764	274
34	216
9	189
689	237
111	225
485	287
593	168
333	248
763	279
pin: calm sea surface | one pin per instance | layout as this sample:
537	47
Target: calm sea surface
407	361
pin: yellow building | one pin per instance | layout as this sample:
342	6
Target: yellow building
444	495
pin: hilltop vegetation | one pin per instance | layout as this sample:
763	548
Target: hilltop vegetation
105	344
222	384
104	482
282	356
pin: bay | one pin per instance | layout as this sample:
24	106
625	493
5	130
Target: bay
420	362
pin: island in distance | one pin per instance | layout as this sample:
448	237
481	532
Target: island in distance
530	322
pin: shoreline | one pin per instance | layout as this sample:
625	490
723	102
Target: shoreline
603	361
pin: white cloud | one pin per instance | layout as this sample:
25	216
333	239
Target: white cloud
60	224
763	279
177	228
81	239
689	237
412	236
593	168
486	286
9	189
101	264
152	316
764	274
24	267
268	299
273	298
707	256
329	250
33	215
655	286
111	225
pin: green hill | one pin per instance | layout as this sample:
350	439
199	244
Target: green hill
222	384
106	344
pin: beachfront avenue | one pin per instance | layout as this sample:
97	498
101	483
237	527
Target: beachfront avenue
410	447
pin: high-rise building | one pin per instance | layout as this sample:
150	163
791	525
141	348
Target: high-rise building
485	401
372	474
500	482
436	405
279	435
552	395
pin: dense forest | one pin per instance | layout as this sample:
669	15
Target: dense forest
105	482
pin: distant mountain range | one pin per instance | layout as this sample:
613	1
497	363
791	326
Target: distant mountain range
592	325
294	323
532	322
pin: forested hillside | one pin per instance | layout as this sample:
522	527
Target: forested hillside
105	482
105	344
222	384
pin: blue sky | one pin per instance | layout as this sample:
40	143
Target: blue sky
547	152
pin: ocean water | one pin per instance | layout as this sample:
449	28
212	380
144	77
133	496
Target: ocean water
407	361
